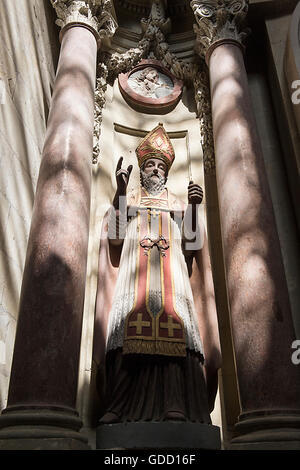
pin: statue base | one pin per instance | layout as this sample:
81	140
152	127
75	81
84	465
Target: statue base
42	444
158	435
268	430
41	429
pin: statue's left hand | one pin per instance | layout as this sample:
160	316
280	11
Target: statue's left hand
195	193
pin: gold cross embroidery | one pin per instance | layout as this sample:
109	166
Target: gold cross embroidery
139	324
170	326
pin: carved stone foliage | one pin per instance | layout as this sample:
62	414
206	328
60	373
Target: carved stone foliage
219	19
153	45
96	14
157	17
203	103
101	86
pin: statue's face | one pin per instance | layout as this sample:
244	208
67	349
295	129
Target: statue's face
155	167
154	175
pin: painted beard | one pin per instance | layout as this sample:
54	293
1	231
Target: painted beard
153	186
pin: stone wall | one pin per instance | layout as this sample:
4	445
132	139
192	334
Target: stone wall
28	56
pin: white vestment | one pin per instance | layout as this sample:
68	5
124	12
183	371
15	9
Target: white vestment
125	289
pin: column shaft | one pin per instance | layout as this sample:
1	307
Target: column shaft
262	325
46	355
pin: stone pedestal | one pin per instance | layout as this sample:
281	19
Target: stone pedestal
160	435
43	382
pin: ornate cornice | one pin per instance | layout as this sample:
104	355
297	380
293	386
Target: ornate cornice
153	45
95	15
219	21
179	8
137	8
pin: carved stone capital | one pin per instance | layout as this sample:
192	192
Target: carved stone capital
95	15
218	22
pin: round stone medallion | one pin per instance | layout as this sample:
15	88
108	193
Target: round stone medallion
151	88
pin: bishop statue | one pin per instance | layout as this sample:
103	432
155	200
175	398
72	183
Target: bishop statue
154	278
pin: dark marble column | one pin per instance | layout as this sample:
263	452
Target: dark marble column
261	321
41	412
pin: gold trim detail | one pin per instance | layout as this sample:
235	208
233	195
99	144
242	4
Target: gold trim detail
164	348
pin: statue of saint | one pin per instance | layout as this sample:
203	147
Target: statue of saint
155	293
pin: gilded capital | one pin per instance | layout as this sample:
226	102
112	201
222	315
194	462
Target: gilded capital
219	20
95	15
